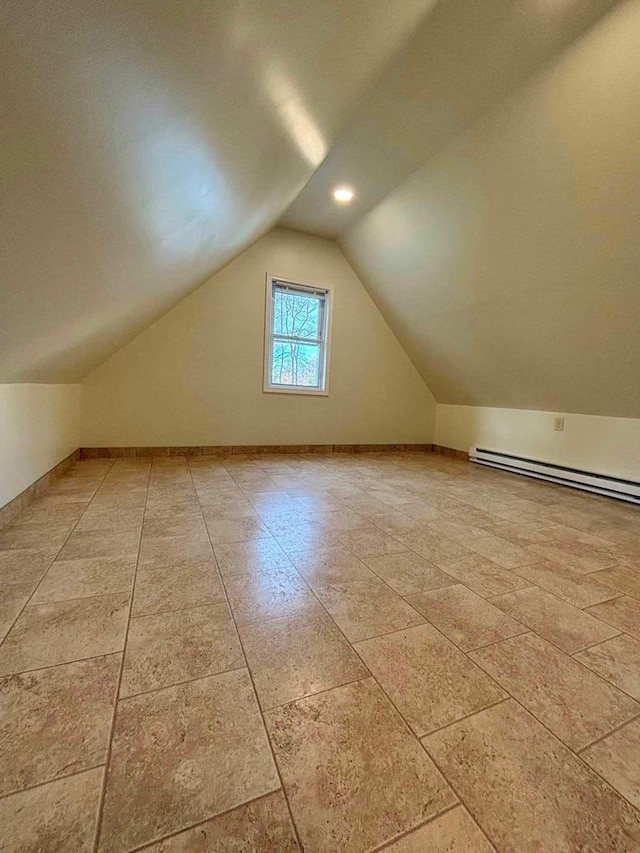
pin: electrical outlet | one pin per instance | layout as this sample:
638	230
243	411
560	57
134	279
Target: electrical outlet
559	425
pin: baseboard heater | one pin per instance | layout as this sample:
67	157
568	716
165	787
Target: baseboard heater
612	487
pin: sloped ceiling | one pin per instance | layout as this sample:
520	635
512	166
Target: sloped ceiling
492	146
459	62
509	265
146	142
497	216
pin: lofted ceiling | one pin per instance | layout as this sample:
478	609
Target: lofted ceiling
145	143
492	146
508	265
460	61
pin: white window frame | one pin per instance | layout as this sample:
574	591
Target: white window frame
324	340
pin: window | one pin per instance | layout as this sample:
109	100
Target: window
296	337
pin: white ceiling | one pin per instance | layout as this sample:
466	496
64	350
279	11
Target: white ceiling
509	264
145	143
461	60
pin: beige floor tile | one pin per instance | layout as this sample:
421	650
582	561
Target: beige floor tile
408	572
393	521
247	558
622	613
355	775
111	518
431	546
55	721
371	542
517	534
367	608
503	553
263	826
428	679
456	529
174	587
25	566
575	588
527	790
236	529
616	660
481	575
294	657
467	619
12	600
453	832
49	634
626	555
168	523
181	755
562	533
325	566
575	704
99	543
41	512
275	593
620	578
176	551
561	623
573	555
167	648
617	759
305	537
428	510
58	816
34	536
279	519
83	578
340	519
421	511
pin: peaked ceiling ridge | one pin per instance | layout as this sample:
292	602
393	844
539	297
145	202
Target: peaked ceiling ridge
461	63
152	142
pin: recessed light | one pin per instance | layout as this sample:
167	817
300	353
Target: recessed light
343	194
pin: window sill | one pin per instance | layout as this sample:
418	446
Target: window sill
309	392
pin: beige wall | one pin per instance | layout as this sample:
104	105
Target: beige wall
195	376
509	266
599	444
39	427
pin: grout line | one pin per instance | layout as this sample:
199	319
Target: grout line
571	750
71	531
607	734
386	844
61	663
576	754
179	683
461	799
103	792
494	642
214	603
77	598
317	692
215	816
48	782
250	674
220	602
592	645
466	716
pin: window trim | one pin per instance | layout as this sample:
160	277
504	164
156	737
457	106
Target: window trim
325	340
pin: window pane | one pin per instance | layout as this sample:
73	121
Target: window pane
296	314
295	364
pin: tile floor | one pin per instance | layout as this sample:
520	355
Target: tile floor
318	652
